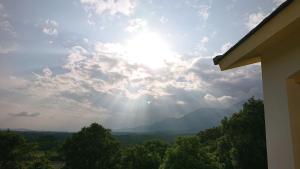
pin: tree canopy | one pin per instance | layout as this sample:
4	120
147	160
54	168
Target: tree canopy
12	150
244	138
145	156
187	153
93	147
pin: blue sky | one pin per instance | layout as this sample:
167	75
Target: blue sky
122	63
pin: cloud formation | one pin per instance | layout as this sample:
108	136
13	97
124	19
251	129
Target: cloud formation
226	46
7	33
254	19
112	7
105	73
222	99
89	75
203	11
107	70
135	25
50	27
278	2
202	8
201	47
104	83
5	24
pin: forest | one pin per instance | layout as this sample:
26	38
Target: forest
237	143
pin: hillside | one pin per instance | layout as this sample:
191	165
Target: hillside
193	122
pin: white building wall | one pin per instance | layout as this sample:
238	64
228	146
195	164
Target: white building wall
277	67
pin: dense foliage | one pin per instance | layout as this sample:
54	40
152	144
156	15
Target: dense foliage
187	153
237	143
145	156
11	150
92	147
244	137
16	153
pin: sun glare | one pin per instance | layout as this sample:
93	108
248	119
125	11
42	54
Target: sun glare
149	49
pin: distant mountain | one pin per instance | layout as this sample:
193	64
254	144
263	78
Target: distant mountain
193	122
15	129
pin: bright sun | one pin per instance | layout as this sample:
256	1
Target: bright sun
149	49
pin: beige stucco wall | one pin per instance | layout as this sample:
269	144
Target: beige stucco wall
281	107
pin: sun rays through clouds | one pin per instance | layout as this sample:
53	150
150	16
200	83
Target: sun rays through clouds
123	63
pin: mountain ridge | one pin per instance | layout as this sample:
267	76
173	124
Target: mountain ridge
193	122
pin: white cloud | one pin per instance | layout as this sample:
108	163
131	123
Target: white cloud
5	24
110	49
98	83
210	97
254	19
47	72
204	39
50	27
113	7
86	40
224	48
7	42
203	11
180	102
163	19
240	84
135	25
107	70
221	99
201	47
201	8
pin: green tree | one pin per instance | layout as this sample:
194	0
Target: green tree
91	148
145	156
187	153
157	147
208	139
209	135
244	142
40	163
14	151
223	151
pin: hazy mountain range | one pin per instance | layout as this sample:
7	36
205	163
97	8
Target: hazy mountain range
193	122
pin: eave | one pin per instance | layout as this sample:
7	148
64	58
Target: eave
270	31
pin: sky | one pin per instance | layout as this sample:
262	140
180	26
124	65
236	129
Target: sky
121	63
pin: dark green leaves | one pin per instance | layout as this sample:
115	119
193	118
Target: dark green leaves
93	147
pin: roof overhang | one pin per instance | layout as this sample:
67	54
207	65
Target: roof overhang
272	30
